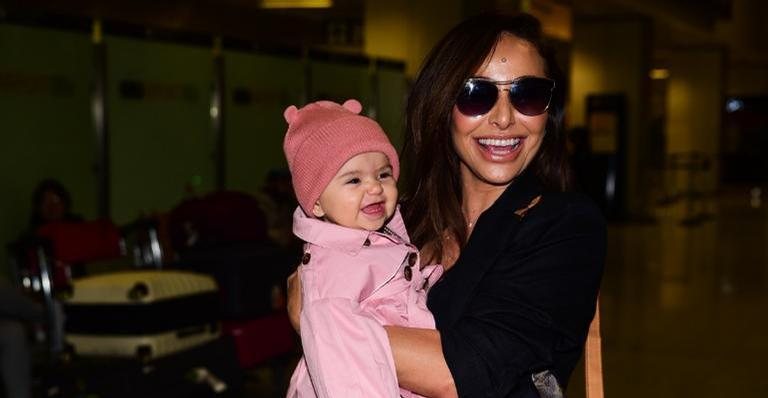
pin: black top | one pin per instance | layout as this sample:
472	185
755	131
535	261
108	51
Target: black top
521	296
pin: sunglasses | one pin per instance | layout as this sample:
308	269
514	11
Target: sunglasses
529	95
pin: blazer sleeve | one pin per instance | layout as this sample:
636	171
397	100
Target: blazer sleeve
346	350
532	309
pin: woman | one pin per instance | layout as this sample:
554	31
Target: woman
487	197
51	202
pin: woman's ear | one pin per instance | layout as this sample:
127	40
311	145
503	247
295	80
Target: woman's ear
317	210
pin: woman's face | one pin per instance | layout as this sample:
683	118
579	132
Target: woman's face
497	146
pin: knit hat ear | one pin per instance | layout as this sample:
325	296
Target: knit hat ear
290	113
353	106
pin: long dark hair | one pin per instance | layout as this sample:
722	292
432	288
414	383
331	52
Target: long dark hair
432	187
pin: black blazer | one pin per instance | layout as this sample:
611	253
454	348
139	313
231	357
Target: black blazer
521	296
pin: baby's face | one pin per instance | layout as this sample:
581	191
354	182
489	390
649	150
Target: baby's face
362	194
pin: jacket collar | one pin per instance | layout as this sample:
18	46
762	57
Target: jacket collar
333	236
518	194
493	229
499	216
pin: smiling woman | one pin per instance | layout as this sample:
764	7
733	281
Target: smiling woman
487	196
494	49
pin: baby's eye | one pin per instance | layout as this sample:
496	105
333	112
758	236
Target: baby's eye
385	174
353	181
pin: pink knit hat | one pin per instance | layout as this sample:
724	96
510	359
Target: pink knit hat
321	137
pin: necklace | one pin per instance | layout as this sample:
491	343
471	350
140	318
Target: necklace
471	223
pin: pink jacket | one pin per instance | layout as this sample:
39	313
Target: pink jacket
353	282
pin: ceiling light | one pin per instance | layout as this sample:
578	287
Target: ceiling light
659	74
296	3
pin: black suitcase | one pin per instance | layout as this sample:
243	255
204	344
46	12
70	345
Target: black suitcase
210	370
141	314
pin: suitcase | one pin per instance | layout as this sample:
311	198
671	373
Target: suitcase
143	314
208	370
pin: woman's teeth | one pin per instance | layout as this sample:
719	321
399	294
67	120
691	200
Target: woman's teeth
507	142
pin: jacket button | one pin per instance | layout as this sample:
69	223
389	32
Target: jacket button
367	242
408	273
412	259
305	258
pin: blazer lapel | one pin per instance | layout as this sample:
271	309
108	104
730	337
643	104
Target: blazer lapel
495	227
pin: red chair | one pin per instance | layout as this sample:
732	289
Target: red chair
73	244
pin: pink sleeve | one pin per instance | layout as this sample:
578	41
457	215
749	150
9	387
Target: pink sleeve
346	351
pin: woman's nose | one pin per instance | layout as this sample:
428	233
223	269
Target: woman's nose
502	114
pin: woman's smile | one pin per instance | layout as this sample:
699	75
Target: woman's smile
500	149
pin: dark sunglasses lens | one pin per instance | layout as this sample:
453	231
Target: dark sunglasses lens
531	96
477	97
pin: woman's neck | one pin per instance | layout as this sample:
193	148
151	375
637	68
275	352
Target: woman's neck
477	196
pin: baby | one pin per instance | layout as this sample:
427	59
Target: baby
359	270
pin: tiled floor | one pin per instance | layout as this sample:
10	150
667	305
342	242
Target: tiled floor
685	305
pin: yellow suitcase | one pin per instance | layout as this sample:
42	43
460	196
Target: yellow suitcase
143	314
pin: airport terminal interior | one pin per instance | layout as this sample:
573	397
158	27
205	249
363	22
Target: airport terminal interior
151	134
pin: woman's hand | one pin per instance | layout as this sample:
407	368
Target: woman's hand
294	300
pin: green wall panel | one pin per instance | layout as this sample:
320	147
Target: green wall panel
158	98
46	128
391	102
162	142
339	81
259	88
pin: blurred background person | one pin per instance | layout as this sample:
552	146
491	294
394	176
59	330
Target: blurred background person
51	202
